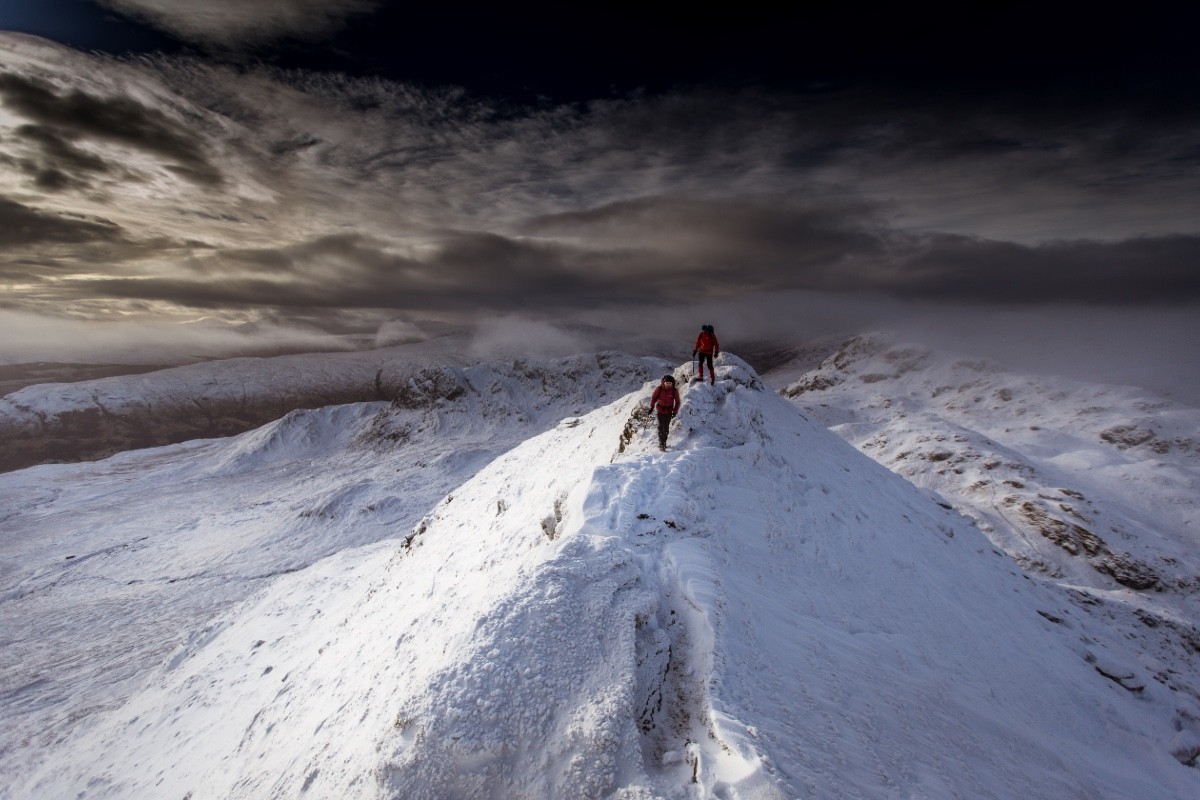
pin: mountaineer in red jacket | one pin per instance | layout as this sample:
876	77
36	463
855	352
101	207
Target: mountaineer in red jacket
665	403
707	347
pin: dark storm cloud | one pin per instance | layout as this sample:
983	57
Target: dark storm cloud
62	118
656	250
63	165
359	198
1096	143
232	22
526	274
723	248
21	226
349	257
748	240
1155	270
1060	167
465	272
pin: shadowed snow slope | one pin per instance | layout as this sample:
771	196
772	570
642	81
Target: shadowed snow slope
759	612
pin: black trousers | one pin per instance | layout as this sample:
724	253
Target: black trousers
664	427
706	357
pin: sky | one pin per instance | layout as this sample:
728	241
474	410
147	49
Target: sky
190	179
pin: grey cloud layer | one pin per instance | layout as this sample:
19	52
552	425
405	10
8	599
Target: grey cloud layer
466	272
702	251
228	22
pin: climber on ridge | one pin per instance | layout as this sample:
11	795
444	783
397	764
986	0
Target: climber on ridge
706	348
665	403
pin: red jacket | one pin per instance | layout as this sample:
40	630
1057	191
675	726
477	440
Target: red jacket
707	343
665	400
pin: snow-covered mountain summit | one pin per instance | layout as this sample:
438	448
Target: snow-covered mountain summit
761	611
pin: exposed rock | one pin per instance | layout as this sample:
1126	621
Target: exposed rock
1077	540
1126	436
814	382
1127	571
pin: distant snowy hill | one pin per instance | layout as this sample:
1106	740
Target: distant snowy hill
85	420
96	418
352	602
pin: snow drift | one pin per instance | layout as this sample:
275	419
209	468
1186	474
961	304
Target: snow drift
759	612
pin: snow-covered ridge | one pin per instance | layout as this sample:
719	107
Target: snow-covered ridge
758	612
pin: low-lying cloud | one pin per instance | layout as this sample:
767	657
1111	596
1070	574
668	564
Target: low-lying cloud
513	336
30	337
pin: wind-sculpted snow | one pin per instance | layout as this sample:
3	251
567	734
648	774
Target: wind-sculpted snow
759	612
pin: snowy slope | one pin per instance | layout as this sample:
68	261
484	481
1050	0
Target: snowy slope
1092	489
759	612
1095	484
106	568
